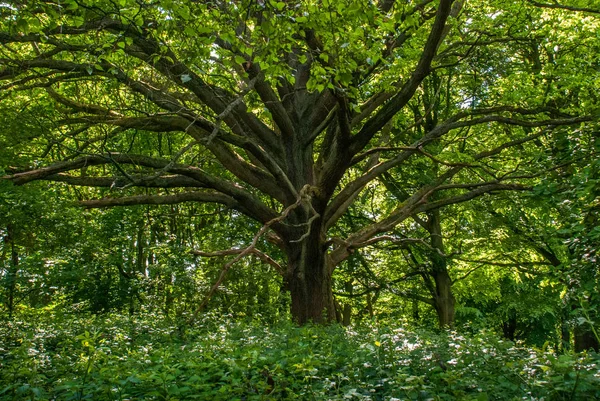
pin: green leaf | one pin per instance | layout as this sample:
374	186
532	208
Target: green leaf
23	26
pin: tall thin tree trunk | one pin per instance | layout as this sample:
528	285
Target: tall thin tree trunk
370	305
565	332
347	311
584	338
415	310
140	245
509	326
444	299
443	296
11	276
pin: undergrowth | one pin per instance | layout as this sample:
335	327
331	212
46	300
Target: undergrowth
115	357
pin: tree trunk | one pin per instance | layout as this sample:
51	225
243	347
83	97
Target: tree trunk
169	297
584	339
565	331
509	326
347	315
347	312
12	279
13	266
141	262
415	310
309	281
444	299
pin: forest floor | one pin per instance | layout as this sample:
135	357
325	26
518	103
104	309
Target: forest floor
52	356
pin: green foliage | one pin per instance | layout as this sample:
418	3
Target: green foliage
112	357
359	132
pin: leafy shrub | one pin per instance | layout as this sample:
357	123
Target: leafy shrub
114	357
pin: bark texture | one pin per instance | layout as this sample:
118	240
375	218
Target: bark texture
309	279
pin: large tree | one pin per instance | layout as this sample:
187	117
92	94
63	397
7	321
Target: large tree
289	112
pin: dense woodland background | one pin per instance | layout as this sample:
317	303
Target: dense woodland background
175	169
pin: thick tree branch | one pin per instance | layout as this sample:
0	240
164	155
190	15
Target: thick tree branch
172	181
209	197
336	206
400	99
272	103
249	203
394	41
215	98
228	113
417	203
